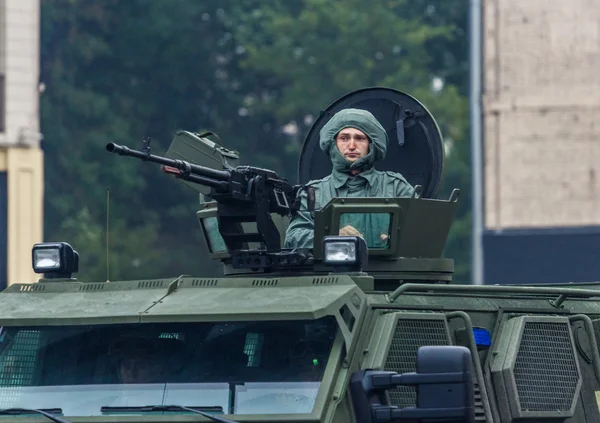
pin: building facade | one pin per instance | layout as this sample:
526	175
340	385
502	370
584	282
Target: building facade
21	158
541	149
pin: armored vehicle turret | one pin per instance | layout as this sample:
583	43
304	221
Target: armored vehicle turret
340	332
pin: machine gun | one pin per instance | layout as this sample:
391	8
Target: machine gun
243	194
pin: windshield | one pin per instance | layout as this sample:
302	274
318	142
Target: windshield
242	367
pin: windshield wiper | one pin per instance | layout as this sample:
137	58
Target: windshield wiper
150	408
44	412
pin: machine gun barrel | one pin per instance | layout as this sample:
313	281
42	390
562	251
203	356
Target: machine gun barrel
218	179
244	194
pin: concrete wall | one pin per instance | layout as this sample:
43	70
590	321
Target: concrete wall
541	113
20	155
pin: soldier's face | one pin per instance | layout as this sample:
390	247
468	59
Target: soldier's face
352	143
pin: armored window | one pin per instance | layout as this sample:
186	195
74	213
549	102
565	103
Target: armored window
375	228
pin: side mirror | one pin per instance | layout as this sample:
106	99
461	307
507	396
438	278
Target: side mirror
444	385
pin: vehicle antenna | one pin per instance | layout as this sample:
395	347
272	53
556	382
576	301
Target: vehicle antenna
107	234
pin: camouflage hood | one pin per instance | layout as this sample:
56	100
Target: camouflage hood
359	119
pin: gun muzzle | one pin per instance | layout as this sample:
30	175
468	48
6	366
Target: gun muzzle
111	147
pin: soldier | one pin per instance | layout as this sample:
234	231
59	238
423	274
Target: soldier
354	140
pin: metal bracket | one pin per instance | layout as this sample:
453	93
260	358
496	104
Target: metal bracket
558	303
418	191
454	195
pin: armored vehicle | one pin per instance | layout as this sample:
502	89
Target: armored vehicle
339	333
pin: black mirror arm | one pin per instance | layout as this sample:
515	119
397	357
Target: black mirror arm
388	380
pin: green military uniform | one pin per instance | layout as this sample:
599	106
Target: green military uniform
342	184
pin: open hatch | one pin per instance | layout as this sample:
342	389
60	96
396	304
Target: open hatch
415	146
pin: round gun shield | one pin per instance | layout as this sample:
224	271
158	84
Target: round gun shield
415	146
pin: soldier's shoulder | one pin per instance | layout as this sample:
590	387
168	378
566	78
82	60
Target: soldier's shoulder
317	182
395	175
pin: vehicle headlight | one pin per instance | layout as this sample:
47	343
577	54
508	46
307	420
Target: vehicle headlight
46	259
340	252
54	259
346	253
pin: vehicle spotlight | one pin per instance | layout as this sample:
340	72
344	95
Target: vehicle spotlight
55	260
345	253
